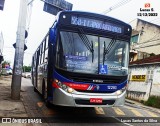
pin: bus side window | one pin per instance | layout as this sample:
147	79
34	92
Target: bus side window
46	43
46	55
42	58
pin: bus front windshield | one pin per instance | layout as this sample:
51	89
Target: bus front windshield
83	53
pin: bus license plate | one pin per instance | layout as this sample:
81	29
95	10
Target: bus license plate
95	100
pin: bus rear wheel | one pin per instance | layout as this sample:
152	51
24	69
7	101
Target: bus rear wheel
35	90
48	104
43	90
44	96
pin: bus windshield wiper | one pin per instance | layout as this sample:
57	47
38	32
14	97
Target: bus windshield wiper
109	47
86	42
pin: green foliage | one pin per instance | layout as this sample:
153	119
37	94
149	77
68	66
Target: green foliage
26	68
153	101
141	101
5	63
152	54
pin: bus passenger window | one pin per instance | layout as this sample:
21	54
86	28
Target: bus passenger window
46	55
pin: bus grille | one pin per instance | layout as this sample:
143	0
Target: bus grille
92	78
92	91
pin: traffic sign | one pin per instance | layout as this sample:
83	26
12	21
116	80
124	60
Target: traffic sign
25	47
54	6
103	69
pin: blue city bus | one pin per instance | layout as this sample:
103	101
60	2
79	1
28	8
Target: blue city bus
83	61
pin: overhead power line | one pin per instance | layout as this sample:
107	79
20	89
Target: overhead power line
123	2
30	2
144	46
155	19
148	41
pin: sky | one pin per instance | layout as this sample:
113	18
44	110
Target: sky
41	21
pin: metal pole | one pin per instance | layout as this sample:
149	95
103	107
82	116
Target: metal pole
150	87
19	51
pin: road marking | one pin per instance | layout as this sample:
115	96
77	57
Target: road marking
136	112
127	107
99	110
40	104
151	113
118	111
48	112
128	124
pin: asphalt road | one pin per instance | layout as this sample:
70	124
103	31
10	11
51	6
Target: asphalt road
128	115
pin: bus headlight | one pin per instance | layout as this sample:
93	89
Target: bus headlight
70	90
64	86
60	83
119	92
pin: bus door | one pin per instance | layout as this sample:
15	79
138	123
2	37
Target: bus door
36	68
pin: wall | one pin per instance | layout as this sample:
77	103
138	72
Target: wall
139	89
156	82
1	43
133	23
150	36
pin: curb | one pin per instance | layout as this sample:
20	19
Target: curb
129	102
156	110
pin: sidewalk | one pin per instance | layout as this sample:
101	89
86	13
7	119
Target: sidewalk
9	107
138	104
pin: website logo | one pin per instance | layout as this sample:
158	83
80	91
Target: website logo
6	120
147	10
147	5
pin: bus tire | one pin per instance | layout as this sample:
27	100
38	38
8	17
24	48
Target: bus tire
48	104
43	91
35	90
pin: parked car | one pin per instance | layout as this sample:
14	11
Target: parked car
7	71
26	74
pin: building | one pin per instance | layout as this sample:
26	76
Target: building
145	40
144	78
144	68
1	49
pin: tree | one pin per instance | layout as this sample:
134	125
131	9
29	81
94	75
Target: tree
152	54
26	68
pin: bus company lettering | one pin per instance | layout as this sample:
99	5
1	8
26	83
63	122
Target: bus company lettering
114	67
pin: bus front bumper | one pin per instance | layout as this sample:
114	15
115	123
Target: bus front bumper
79	99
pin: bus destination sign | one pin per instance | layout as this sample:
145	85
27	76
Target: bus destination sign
98	24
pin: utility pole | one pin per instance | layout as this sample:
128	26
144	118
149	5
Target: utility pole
151	80
19	51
